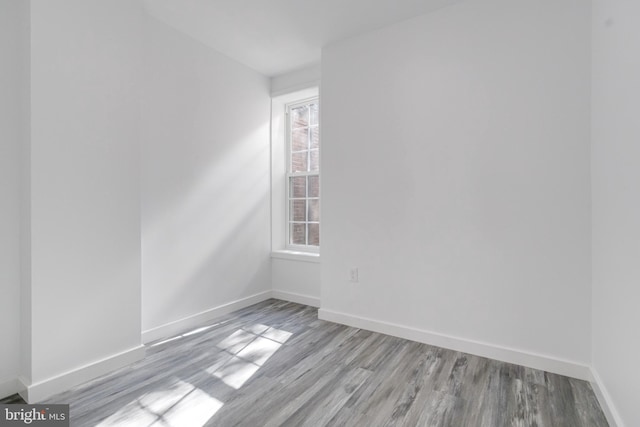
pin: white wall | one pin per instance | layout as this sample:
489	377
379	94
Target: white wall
616	204
13	27
456	175
205	179
296	80
85	185
296	280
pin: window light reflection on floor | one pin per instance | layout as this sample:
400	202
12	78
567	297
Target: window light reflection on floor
186	334
243	353
247	350
182	404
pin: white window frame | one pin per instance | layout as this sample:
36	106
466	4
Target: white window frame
289	174
279	167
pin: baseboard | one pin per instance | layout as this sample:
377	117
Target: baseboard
504	354
297	298
604	398
41	390
9	387
179	326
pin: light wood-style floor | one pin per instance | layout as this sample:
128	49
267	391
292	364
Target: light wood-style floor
276	364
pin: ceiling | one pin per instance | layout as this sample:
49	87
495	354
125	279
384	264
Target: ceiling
277	36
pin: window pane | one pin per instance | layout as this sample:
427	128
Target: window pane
298	208
304	163
297	234
299	161
297	186
313	210
314	234
315	137
300	116
300	139
314	186
313	108
315	161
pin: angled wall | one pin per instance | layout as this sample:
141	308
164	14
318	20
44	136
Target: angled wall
205	183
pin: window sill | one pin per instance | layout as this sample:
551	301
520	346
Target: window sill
296	256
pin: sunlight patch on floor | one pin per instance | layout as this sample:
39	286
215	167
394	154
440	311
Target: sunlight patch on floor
180	405
187	334
249	349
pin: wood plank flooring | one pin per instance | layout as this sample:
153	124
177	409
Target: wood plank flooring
276	364
14	399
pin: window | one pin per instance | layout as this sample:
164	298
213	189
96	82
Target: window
295	175
303	175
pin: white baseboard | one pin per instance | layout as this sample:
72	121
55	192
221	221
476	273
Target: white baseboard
183	325
604	398
504	354
297	298
9	387
41	390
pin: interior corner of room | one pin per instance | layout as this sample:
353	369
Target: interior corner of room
479	186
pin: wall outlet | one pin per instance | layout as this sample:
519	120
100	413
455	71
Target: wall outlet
353	275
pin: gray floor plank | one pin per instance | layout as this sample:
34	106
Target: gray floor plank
276	364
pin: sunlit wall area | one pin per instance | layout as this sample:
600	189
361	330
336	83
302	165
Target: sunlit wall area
205	179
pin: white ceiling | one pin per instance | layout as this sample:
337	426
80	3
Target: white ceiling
277	36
